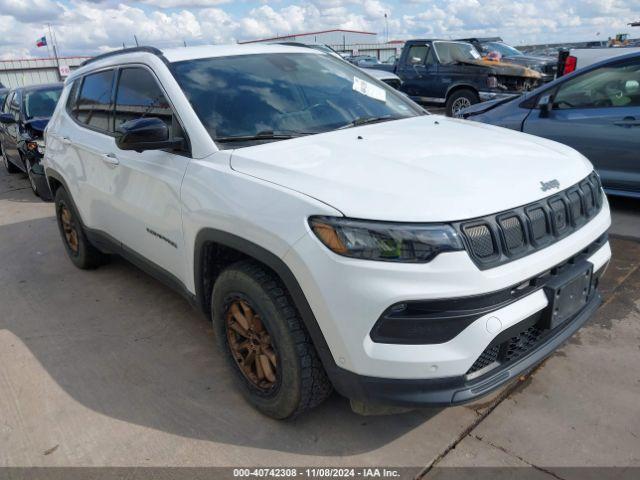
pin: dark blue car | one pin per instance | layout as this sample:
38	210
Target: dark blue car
595	110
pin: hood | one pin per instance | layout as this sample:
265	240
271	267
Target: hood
504	68
422	169
37	125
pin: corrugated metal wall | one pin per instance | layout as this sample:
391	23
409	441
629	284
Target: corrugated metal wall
33	71
381	51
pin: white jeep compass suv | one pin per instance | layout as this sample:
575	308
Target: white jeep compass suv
337	234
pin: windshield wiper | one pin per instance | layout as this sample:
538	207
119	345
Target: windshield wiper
264	135
368	120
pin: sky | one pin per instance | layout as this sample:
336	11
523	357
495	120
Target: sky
87	27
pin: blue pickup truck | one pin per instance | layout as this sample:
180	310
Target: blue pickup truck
454	74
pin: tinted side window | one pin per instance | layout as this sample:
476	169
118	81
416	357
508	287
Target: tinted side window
138	96
93	106
612	86
73	95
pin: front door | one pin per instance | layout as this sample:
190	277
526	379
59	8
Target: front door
414	72
598	114
146	200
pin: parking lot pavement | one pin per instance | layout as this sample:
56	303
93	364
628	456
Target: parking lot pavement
109	367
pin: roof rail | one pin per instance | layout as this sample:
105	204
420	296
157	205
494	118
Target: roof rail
122	51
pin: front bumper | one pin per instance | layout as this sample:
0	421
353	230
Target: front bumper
460	389
348	296
40	179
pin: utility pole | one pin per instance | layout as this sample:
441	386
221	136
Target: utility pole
386	24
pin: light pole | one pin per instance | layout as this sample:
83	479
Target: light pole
386	26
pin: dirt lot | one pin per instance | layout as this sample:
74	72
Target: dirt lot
110	368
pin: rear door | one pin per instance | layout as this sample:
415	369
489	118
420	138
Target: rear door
146	197
89	136
598	114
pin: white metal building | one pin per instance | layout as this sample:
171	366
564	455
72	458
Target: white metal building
33	71
327	37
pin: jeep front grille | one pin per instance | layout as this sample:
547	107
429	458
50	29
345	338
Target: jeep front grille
500	238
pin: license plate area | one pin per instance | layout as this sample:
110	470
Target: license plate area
568	293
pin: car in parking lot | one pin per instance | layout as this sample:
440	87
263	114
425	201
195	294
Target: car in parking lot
335	233
24	116
595	110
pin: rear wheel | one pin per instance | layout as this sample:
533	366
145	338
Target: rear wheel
81	252
260	330
460	100
11	168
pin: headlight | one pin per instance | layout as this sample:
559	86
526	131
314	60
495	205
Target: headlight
385	241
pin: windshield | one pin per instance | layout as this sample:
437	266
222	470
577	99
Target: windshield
300	93
502	48
41	103
454	52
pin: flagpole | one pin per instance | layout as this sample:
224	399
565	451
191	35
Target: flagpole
55	51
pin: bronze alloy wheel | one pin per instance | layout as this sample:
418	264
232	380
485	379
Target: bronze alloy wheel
69	228
251	346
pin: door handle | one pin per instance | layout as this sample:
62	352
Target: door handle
110	158
66	141
628	122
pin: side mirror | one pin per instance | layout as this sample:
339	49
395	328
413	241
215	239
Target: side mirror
145	134
546	105
7	118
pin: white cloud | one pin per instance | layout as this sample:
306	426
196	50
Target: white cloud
89	26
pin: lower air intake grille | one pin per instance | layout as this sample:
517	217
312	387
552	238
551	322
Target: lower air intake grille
489	356
522	343
510	350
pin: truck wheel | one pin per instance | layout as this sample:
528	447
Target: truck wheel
81	252
11	168
265	342
460	99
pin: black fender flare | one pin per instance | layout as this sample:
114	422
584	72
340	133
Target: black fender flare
276	264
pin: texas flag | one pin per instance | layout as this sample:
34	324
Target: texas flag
41	42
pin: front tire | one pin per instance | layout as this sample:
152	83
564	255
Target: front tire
80	251
459	100
265	342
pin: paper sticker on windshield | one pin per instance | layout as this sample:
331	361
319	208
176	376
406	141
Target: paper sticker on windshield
475	54
369	89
